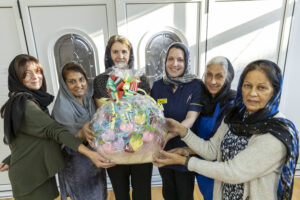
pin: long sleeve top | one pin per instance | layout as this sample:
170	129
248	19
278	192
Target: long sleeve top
35	153
258	166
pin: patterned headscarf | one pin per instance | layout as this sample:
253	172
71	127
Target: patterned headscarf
263	121
186	77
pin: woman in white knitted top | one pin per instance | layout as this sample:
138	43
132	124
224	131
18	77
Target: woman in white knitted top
256	147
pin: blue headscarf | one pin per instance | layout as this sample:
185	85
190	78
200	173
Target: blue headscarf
263	121
272	106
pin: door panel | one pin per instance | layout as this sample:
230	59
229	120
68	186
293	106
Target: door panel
152	26
47	23
12	43
88	21
141	21
254	34
290	93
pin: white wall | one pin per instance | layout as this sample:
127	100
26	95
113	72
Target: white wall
290	104
12	42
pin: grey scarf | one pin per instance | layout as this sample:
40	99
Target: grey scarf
69	112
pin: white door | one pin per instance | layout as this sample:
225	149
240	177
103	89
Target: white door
145	22
257	33
12	43
47	23
63	31
290	94
152	25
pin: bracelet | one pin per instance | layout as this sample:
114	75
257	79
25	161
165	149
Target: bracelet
187	161
187	152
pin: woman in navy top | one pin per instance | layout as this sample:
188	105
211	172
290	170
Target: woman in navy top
179	93
216	99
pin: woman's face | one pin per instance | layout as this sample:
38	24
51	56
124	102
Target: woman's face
76	83
33	76
257	90
119	53
215	78
175	62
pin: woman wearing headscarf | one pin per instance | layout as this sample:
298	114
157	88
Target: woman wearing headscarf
119	53
73	108
216	99
33	137
256	147
179	93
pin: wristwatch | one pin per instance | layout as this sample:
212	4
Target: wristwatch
187	152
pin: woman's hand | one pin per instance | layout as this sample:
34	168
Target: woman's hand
100	161
179	151
3	167
86	134
95	157
168	158
176	127
169	137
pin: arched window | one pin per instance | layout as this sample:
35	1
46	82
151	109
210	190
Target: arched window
75	48
155	53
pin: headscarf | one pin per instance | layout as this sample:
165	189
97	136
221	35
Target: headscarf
186	77
99	82
263	121
225	95
68	111
109	62
13	109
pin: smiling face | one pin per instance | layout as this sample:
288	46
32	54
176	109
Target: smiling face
119	53
33	76
257	90
175	64
76	83
215	77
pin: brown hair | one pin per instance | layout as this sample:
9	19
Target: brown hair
20	66
118	38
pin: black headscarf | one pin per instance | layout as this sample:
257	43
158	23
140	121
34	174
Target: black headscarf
13	110
225	95
99	83
263	121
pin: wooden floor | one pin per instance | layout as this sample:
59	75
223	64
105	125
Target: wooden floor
156	193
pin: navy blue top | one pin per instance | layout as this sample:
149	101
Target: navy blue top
176	105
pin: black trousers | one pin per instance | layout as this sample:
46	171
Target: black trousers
140	175
177	185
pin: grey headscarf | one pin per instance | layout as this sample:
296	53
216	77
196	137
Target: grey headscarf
69	112
186	77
